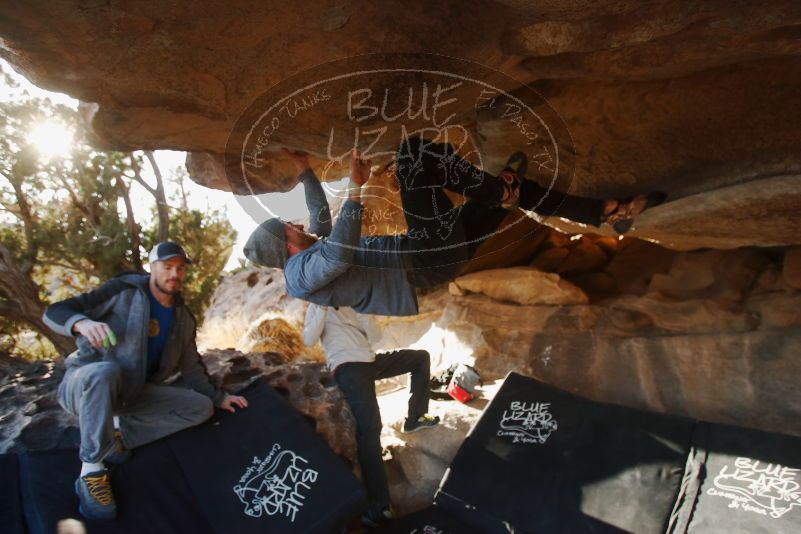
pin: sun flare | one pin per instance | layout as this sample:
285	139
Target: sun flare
51	139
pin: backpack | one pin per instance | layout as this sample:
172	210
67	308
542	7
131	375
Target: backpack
462	385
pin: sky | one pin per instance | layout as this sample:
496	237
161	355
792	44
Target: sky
289	205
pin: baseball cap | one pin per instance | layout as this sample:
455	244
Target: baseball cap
166	250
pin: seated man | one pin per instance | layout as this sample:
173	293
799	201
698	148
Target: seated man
378	274
137	360
347	340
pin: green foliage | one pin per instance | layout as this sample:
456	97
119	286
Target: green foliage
13	238
19	341
86	231
65	225
72	202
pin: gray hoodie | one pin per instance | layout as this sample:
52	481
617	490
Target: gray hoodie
123	304
367	274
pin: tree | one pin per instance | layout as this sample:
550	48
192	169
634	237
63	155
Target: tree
67	223
31	215
158	193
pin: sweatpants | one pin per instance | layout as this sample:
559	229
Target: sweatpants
91	393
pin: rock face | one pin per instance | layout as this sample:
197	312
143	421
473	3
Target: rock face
709	334
694	100
244	297
521	285
30	417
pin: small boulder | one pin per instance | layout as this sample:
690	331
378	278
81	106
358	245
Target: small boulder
522	285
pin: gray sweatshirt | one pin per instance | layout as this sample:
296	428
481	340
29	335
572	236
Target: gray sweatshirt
367	274
346	336
122	303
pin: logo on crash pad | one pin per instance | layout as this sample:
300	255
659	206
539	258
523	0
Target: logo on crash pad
766	489
276	484
528	422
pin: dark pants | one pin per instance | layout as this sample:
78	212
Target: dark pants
442	237
357	382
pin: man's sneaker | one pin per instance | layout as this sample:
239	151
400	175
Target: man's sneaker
424	421
375	518
119	454
511	189
95	496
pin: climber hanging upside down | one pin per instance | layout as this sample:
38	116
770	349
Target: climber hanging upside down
379	274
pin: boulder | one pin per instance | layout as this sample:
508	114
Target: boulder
650	97
239	301
550	259
636	262
272	333
309	387
791	268
523	285
30	416
584	257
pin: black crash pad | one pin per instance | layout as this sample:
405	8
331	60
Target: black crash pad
10	506
264	469
543	460
740	480
151	492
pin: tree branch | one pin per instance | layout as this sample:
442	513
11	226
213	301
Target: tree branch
161	198
138	176
10	208
75	200
133	228
88	209
25	214
9	309
20	301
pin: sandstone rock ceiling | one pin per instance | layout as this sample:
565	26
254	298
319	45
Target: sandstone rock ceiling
698	99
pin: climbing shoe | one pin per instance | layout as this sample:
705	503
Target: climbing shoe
95	496
424	421
512	175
